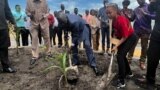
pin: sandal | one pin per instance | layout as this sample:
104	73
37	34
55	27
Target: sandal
142	65
33	60
49	54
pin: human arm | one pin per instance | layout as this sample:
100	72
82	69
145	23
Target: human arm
8	13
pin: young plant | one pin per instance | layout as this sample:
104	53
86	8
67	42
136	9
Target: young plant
62	60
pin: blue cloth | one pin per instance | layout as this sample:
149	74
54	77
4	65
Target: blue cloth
80	32
19	18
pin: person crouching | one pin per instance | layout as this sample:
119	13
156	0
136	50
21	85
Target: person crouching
125	33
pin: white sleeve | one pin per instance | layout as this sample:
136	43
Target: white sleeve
55	23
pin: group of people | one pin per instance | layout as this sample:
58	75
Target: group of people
37	20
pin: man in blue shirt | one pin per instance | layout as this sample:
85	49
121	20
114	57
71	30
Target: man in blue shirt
80	32
19	17
104	26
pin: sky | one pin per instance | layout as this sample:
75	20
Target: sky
82	5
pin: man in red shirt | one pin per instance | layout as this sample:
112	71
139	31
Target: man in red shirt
51	22
127	38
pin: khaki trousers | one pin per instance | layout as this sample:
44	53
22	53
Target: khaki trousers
35	41
144	45
95	40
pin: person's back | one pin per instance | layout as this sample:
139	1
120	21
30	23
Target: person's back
74	18
76	24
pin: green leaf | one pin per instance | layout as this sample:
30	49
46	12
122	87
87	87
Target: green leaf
52	67
64	61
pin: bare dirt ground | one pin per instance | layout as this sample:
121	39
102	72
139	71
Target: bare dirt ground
34	78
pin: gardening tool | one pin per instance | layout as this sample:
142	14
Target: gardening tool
107	77
72	71
113	42
110	66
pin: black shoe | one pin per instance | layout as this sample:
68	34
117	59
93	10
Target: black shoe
59	46
95	69
33	61
9	70
76	64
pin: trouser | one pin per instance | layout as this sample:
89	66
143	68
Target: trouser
95	40
60	41
51	32
60	37
25	35
66	38
55	31
89	51
123	65
4	57
153	57
105	35
144	44
45	33
4	44
39	35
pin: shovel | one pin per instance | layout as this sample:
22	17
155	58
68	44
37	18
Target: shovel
110	66
72	72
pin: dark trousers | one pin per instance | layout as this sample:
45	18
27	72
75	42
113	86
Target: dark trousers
105	35
4	57
55	32
39	35
123	65
60	41
4	44
152	60
51	32
66	38
60	37
87	46
24	33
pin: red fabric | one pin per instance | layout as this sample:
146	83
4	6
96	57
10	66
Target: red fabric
51	19
122	27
